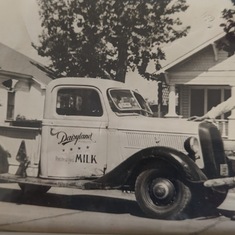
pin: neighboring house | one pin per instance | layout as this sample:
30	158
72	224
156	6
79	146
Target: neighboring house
201	78
22	86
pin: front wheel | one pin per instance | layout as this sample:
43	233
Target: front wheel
161	196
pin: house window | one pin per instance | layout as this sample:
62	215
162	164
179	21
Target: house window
213	98
197	102
10	105
203	99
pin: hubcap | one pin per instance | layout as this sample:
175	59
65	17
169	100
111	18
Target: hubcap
163	189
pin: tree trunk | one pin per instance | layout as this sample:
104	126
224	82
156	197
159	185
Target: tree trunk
122	61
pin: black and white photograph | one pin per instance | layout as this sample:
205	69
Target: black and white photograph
117	117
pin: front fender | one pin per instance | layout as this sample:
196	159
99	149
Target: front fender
186	167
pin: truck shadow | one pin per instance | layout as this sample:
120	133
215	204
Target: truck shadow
86	202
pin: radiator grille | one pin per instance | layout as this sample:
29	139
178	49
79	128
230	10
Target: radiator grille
141	140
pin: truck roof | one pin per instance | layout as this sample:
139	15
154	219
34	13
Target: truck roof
97	82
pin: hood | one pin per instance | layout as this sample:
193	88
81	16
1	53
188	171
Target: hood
153	124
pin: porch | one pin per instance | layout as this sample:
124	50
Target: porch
222	125
229	143
199	95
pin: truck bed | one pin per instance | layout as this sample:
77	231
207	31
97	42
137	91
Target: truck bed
11	138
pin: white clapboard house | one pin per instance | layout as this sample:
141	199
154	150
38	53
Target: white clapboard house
22	86
199	76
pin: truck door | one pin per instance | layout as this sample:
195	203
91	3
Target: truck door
74	142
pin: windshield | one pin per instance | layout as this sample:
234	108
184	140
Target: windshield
127	101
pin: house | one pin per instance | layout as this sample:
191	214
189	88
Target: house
22	86
199	78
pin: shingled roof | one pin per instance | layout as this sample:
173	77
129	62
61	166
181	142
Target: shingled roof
15	62
205	31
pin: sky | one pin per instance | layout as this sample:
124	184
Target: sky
20	25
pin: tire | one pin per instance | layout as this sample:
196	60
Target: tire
160	195
33	188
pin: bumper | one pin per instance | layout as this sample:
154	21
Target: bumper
228	181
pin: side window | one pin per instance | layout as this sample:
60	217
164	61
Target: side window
10	105
78	102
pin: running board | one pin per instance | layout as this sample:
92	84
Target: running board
229	181
68	183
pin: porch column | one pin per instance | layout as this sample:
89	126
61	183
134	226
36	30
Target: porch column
171	104
231	119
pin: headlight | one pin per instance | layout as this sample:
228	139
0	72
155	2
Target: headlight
191	145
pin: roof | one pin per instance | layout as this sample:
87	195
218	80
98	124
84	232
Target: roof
185	51
220	74
101	84
181	50
204	20
14	62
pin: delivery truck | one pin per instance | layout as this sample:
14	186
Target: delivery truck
101	134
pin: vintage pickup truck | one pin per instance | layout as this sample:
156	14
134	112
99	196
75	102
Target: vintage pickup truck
100	134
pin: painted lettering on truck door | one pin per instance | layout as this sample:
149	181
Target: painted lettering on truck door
77	140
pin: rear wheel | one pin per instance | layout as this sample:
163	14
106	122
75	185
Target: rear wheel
160	195
33	189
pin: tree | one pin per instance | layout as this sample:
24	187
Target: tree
229	28
116	35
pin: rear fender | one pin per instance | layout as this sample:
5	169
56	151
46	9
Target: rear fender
185	167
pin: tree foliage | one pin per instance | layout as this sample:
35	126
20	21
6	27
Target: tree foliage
229	28
115	35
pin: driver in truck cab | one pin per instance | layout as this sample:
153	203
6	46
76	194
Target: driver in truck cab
76	107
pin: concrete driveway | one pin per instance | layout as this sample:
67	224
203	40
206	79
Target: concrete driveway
101	212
